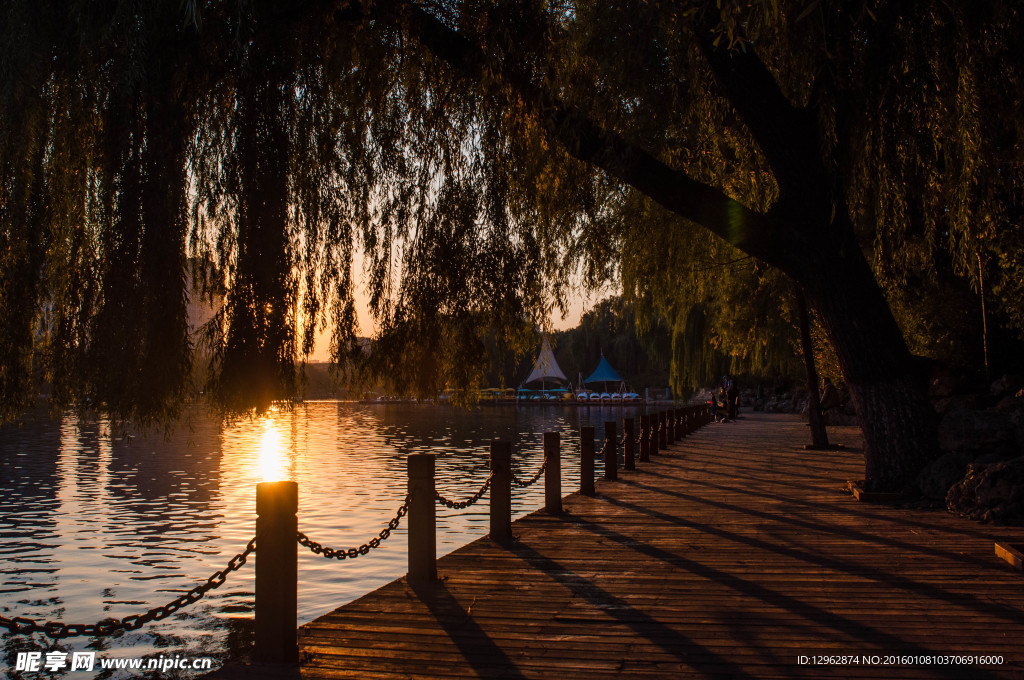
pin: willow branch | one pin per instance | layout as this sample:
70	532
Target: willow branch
746	229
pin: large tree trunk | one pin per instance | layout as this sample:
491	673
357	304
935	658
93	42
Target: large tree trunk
895	416
819	437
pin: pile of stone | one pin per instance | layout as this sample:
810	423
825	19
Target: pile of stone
980	474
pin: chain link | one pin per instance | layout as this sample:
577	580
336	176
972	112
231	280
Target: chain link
352	553
58	629
462	505
532	480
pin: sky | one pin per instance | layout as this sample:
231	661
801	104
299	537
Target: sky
578	304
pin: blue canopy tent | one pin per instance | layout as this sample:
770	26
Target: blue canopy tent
604	373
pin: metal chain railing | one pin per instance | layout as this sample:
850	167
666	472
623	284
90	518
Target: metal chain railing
522	485
352	553
461	505
58	629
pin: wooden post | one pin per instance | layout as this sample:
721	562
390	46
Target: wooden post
680	429
645	438
501	491
670	416
422	519
277	572
611	452
587	461
629	443
552	473
654	434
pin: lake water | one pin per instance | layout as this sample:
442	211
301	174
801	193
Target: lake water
94	527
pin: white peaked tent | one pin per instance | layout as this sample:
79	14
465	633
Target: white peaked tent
545	367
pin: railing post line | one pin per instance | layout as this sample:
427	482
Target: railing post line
422	519
552	473
663	430
587	460
277	572
645	438
670	421
629	443
611	452
501	491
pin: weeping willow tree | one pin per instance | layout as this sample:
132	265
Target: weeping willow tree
270	143
478	153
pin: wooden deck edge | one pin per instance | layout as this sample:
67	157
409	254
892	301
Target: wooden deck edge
873	496
1014	554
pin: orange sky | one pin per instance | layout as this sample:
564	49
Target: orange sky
577	306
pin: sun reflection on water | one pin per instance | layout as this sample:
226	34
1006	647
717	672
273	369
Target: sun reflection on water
272	459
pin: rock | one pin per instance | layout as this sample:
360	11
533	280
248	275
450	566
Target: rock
994	494
1013	407
998	455
1004	386
942	385
975	431
942	473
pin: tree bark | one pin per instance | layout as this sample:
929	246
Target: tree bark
897	420
819	437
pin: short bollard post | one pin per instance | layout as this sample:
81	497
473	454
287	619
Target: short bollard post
501	491
663	430
611	452
645	438
552	473
422	520
628	444
277	572
680	430
670	421
587	461
655	426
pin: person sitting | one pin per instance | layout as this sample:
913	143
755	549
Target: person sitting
713	406
723	401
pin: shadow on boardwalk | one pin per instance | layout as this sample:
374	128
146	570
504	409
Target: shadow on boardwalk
731	555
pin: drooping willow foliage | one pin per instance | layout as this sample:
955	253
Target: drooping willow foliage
921	107
152	153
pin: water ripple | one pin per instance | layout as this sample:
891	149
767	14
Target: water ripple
93	526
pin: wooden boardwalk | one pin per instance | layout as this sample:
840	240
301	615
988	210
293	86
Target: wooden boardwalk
730	555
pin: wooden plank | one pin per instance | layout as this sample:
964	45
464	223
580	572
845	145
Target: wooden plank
1014	554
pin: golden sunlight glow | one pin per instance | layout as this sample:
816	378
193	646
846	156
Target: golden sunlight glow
272	462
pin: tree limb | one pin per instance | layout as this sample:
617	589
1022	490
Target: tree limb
785	133
746	229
